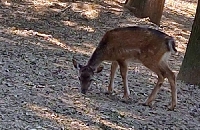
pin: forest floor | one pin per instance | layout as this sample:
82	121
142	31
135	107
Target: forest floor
39	88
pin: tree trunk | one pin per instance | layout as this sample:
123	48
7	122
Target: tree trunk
154	9
136	7
190	69
146	8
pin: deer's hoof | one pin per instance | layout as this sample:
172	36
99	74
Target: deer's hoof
147	104
171	107
126	99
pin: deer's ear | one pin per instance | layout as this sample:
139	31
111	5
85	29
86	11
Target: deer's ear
99	69
76	64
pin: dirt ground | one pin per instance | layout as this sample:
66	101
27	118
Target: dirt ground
39	86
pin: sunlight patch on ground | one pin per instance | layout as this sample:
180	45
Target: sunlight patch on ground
89	45
42	2
46	37
81	104
41	5
89	10
91	14
24	33
80	49
55	41
78	111
70	23
6	2
117	9
47	113
113	2
113	125
131	115
86	28
78	27
89	107
181	6
180	35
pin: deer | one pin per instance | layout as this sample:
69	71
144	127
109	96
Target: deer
123	45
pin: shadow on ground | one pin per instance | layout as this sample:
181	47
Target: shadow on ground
39	87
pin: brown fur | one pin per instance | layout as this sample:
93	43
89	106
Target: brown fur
151	47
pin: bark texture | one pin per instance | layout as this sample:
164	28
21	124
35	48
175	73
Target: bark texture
190	69
146	8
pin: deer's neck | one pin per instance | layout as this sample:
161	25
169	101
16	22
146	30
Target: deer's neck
96	59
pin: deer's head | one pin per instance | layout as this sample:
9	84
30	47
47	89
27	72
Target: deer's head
85	75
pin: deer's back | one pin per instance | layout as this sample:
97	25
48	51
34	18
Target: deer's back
133	42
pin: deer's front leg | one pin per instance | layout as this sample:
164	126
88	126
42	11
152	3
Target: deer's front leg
123	70
114	66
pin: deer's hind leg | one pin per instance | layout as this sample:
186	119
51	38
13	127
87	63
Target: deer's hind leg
156	67
172	80
155	90
163	71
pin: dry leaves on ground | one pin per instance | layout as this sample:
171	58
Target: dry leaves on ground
38	84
